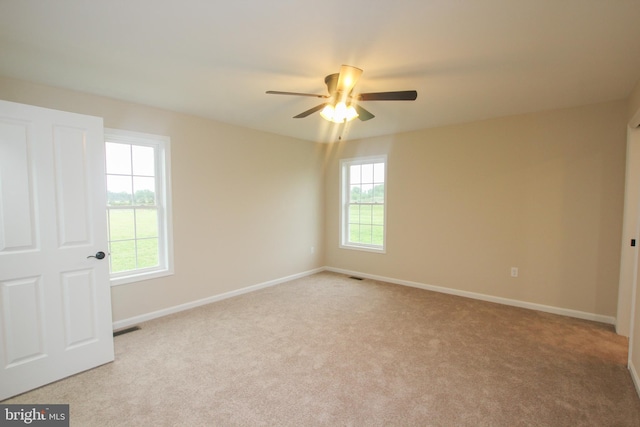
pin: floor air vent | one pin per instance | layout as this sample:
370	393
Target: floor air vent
355	278
125	331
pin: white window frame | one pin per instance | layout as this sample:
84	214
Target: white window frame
344	204
162	146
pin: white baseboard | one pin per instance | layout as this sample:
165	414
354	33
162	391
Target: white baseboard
175	309
506	301
634	377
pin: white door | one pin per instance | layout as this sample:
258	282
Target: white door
55	303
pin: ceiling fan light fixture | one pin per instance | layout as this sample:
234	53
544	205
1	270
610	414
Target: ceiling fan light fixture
340	94
351	113
327	112
340	113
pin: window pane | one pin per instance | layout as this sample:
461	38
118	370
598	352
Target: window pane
363	220
147	253
367	193
354	214
365	234
123	256
354	195
378	215
138	208
367	173
143	160
119	190
378	193
144	191
354	233
354	174
121	224
118	158
146	223
365	214
377	235
378	172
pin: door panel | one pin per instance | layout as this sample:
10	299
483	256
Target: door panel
55	302
23	321
16	191
71	185
78	291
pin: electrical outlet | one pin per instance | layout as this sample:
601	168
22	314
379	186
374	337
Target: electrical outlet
312	250
514	271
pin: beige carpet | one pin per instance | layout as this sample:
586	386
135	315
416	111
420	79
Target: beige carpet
329	350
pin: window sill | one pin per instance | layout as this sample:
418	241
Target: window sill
138	277
375	249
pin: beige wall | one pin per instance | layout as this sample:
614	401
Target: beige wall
247	205
542	192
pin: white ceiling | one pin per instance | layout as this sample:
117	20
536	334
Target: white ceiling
468	60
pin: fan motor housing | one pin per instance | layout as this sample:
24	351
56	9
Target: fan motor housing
332	83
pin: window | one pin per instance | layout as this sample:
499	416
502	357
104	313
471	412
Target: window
138	206
363	213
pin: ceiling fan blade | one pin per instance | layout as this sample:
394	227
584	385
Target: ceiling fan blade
362	113
310	111
277	92
347	79
403	95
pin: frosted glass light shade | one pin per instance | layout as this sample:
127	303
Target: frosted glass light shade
340	113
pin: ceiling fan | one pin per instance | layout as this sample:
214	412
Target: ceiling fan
343	105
